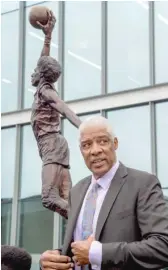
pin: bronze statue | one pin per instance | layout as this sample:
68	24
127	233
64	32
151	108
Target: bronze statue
45	121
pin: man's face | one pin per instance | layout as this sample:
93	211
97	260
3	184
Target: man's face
35	77
98	150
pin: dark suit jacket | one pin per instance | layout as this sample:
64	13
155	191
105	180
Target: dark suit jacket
132	224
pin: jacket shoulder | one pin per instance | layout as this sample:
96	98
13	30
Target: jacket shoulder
142	178
80	183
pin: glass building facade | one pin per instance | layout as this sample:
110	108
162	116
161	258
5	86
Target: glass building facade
115	62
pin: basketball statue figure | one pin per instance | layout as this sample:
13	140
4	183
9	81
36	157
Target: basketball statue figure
45	121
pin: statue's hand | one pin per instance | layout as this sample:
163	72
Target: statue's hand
48	28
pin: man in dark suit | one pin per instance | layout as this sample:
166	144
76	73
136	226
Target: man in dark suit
118	218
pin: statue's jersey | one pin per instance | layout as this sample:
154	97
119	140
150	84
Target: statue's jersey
45	120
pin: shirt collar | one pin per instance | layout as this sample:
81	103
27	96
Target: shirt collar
106	179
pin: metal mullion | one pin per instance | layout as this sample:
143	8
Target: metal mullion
13	236
61	41
104	24
16	188
57	221
103	113
21	54
10	11
153	138
56	231
152	42
57	226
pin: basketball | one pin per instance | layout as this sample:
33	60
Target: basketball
38	13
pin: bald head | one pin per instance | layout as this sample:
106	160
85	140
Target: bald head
97	121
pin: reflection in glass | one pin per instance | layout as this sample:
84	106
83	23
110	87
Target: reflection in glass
6	215
165	192
29	3
161	40
8	144
9	61
132	128
162	142
35	265
32	214
82	49
34	44
63	225
7	6
36	225
128	45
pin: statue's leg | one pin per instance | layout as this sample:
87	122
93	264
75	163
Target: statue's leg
66	184
51	180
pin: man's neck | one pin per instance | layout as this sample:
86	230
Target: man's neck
99	176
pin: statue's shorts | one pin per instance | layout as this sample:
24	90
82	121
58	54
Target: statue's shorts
53	148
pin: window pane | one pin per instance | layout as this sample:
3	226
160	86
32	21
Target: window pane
76	159
32	214
6	214
8	148
162	142
34	44
132	127
7	6
35	264
128	45
9	61
161	40
165	192
82	49
30	3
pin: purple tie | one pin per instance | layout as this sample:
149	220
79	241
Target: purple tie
88	215
89	211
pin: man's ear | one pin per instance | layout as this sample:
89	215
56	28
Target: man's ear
115	143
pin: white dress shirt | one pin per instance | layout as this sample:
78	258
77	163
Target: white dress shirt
95	253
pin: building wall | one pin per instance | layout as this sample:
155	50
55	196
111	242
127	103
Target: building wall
114	60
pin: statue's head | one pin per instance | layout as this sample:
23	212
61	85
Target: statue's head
47	69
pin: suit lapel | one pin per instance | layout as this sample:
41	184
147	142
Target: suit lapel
110	198
78	197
